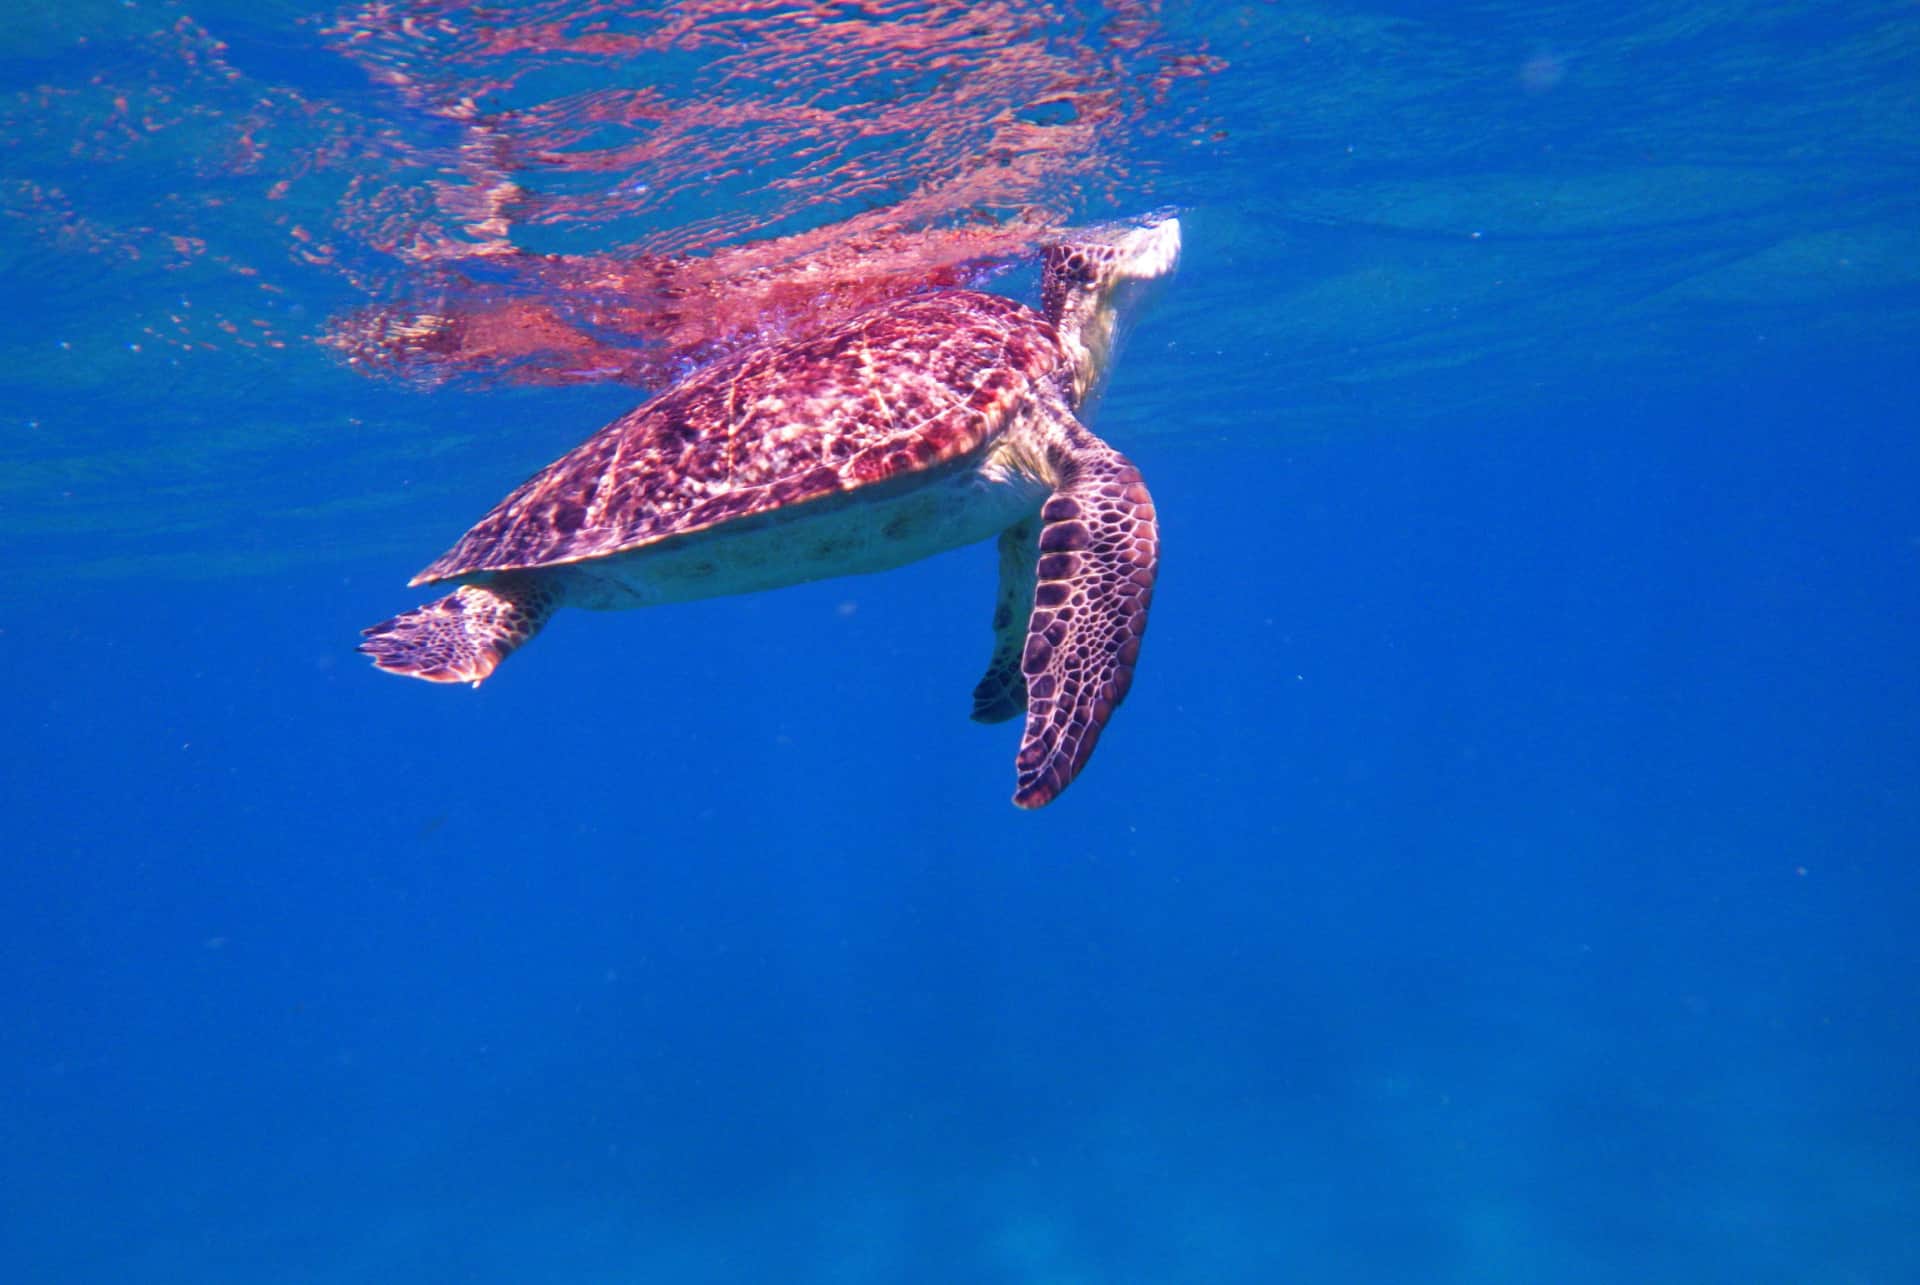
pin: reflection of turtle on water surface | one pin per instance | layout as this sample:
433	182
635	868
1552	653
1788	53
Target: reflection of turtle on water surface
919	426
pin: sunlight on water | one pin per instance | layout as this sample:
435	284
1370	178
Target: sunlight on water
574	194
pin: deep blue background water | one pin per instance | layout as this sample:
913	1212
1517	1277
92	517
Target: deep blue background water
1503	870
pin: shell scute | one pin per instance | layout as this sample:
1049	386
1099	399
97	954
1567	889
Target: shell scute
906	387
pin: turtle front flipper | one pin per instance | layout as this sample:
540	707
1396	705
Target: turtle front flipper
461	638
1099	547
1003	692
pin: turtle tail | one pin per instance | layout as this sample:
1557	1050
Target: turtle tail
461	638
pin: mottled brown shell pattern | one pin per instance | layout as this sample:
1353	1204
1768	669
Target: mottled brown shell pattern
902	388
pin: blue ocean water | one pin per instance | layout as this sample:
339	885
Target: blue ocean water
1503	869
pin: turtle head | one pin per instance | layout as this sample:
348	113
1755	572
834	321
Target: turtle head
1091	280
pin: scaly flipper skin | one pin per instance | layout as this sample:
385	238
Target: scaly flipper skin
1002	693
461	638
1099	549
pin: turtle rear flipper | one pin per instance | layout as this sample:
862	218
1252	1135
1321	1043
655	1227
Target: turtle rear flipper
1099	550
461	638
1002	693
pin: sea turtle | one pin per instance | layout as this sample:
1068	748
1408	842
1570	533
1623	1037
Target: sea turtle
921	425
